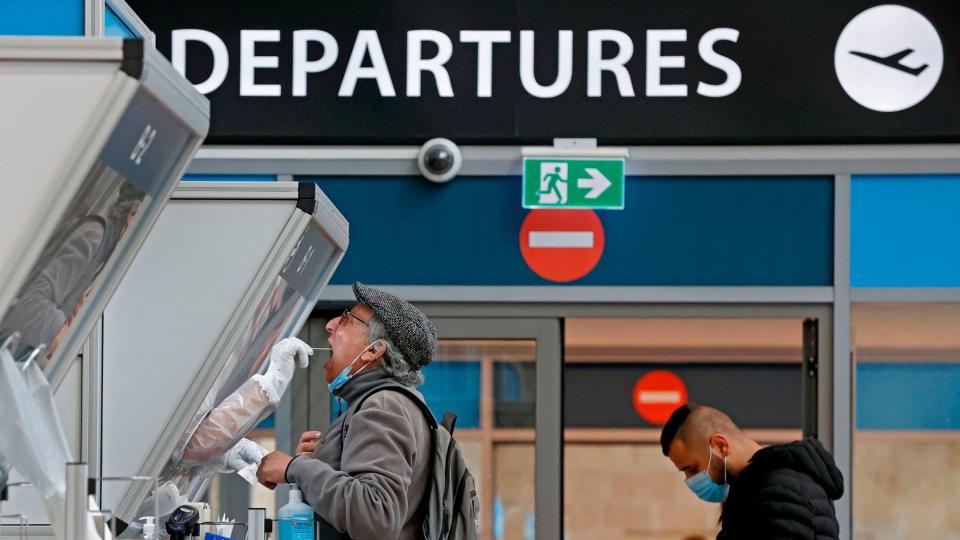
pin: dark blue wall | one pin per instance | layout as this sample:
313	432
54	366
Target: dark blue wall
762	231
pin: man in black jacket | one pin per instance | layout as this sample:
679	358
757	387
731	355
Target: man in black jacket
784	491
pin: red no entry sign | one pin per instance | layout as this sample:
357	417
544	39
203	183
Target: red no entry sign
561	245
657	394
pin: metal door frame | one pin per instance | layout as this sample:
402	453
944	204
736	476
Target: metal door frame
548	449
544	322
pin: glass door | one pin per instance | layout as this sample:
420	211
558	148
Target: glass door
906	458
502	378
623	377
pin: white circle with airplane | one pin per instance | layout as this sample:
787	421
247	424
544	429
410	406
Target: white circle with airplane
888	58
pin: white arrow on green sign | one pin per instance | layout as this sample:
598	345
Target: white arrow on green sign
573	183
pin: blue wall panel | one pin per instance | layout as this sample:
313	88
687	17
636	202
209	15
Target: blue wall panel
455	387
715	231
114	27
914	396
270	422
41	18
447	386
904	231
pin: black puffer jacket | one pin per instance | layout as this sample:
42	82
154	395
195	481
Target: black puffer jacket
786	492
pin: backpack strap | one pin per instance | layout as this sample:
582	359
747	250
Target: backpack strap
431	421
449	422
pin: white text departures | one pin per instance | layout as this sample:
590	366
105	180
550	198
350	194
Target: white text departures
366	61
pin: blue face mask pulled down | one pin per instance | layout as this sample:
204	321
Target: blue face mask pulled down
345	374
704	487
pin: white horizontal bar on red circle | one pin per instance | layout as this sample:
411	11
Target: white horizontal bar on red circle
561	239
659	396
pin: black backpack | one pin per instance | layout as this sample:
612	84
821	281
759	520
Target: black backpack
451	508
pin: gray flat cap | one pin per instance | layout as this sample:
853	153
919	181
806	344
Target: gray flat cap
407	327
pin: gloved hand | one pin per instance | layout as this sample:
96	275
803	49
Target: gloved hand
168	499
243	454
281	368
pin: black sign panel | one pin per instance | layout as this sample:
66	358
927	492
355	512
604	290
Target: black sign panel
308	260
756	396
146	144
526	71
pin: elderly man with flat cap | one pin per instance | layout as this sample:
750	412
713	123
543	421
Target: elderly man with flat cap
367	476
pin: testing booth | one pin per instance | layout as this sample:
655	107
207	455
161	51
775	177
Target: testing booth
96	134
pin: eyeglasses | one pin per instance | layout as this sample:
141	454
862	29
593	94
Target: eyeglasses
347	313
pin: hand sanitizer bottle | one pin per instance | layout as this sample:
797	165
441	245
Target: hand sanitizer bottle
296	518
149	528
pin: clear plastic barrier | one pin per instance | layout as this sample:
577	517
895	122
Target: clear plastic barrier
47	304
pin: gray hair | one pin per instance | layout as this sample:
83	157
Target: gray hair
393	362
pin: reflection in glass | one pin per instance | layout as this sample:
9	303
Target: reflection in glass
493	382
515	394
636	488
453	386
472	451
55	290
906	452
617	483
515	492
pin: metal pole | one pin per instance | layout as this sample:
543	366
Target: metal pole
76	516
255	524
841	391
22	524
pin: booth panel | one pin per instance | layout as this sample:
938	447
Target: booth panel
94	137
210	273
231	269
34	101
98	133
111	205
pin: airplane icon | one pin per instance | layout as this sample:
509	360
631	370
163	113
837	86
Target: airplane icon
893	61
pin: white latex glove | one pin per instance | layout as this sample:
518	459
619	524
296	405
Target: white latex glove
168	499
241	455
280	371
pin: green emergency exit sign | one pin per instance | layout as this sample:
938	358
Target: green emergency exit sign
573	183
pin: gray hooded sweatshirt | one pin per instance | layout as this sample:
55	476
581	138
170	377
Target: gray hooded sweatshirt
374	491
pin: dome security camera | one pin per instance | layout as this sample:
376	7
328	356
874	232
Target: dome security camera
439	160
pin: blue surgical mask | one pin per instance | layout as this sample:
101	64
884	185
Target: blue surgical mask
704	487
345	374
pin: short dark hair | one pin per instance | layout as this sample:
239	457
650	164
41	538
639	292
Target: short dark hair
673	425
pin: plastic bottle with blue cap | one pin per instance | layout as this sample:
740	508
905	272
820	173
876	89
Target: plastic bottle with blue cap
296	517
